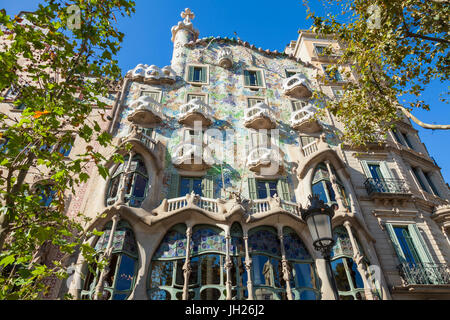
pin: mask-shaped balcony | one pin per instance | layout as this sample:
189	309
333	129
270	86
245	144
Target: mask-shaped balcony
302	120
265	161
260	116
192	157
195	110
152	74
297	86
145	111
225	58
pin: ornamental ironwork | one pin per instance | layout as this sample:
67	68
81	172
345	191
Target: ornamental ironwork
425	273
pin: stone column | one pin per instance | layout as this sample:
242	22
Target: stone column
187	265
107	256
333	180
248	267
228	265
325	277
358	257
123	183
284	262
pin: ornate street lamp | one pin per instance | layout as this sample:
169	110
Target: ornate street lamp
318	217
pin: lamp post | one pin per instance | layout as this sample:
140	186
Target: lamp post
318	217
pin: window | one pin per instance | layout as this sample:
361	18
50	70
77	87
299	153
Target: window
136	182
262	189
397	137
252	101
198	74
298	104
320	49
428	176
155	95
120	278
408	142
419	179
266	188
253	78
306	140
187	185
335	76
338	93
322	186
348	279
201	97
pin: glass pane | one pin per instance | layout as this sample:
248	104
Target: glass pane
407	245
319	190
304	275
140	185
205	239
109	279
332	195
262	191
120	296
294	247
126	273
272	187
161	274
356	277
173	245
193	277
253	78
89	280
308	295
197	186
210	294
211	266
266	242
264	294
277	269
179	275
159	295
340	275
184	187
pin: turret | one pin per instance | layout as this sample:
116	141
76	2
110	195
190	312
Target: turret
182	33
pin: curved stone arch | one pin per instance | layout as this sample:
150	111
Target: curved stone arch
327	154
139	147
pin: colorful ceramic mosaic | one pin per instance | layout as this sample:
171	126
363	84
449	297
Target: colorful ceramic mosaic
204	240
264	241
294	248
172	246
123	241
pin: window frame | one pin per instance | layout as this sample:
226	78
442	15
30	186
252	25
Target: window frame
260	85
196	65
199	94
159	92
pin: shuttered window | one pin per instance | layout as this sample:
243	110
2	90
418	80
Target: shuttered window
196	96
153	94
197	74
298	104
253	78
253	101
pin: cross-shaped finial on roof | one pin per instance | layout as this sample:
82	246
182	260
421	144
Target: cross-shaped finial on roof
187	15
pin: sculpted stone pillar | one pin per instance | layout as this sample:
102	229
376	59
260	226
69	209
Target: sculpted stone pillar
248	267
335	187
284	262
358	257
123	183
107	256
228	265
187	264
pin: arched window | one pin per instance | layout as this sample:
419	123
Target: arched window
166	275
119	281
321	186
304	281
238	272
207	277
136	182
267	274
349	281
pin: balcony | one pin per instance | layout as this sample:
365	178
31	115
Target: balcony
387	189
195	110
192	157
225	58
265	161
441	216
260	208
424	274
259	116
152	74
297	86
302	120
146	111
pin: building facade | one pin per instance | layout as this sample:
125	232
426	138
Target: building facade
221	149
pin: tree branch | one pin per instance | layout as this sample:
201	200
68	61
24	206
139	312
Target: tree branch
422	124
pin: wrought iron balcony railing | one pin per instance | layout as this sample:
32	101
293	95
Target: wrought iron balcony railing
386	186
425	273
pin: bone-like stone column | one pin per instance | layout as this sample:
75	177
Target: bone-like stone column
107	256
123	183
333	180
284	262
248	268
187	264
228	265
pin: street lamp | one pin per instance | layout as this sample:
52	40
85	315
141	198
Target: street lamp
318	217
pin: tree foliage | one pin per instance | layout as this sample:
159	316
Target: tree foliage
60	70
394	48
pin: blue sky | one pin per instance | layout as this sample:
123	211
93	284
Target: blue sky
264	23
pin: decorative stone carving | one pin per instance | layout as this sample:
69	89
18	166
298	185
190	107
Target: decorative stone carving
267	158
297	86
302	120
152	74
186	24
146	111
259	116
190	156
225	58
195	110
